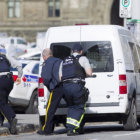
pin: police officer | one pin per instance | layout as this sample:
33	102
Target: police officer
74	70
50	75
6	85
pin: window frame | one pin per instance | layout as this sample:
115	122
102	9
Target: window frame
20	10
54	9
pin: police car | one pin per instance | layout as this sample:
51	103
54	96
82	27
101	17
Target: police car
24	95
35	55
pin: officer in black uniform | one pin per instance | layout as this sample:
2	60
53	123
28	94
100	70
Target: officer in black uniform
6	85
74	70
50	75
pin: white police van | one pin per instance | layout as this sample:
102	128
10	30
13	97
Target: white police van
115	83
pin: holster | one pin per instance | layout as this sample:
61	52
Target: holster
84	97
10	75
85	94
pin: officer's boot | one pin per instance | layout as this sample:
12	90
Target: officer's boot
71	132
13	124
1	120
80	130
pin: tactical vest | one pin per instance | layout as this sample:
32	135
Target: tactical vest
4	64
71	68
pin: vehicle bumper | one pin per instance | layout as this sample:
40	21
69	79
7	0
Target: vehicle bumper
18	102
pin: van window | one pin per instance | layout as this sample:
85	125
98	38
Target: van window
126	53
99	53
15	69
100	56
134	56
60	50
138	48
12	41
20	41
36	69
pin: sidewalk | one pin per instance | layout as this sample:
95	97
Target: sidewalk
26	123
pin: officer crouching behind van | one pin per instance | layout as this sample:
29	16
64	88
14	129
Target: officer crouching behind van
50	75
6	85
74	70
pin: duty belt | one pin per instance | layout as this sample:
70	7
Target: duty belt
8	74
3	73
76	80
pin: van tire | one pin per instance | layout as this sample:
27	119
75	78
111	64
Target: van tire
130	121
33	104
138	120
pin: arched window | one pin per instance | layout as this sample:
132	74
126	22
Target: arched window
13	8
54	8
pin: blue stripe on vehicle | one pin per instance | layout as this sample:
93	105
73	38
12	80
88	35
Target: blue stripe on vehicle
2	50
31	78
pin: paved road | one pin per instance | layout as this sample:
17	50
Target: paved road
107	131
26	123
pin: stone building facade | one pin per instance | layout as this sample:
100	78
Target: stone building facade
27	17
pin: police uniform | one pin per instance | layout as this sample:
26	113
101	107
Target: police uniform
50	75
6	85
73	75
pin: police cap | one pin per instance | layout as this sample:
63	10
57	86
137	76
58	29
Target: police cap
77	47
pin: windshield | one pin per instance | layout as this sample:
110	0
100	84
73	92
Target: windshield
20	41
15	69
99	53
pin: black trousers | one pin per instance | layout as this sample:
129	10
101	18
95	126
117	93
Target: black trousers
6	85
53	102
73	93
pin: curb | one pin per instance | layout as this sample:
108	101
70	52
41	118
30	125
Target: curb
21	128
4	131
24	128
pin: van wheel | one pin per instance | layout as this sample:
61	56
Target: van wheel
130	122
33	104
138	120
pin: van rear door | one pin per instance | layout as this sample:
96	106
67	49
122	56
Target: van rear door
104	83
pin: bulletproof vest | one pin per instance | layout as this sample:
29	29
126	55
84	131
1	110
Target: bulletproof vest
72	69
4	64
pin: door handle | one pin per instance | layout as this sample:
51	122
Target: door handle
109	75
94	75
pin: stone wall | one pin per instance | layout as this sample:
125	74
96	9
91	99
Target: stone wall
34	16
